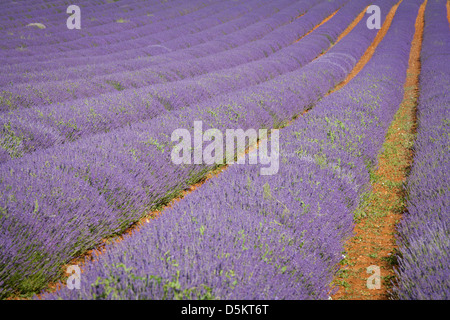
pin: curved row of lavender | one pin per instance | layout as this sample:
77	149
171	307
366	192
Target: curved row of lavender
200	20
247	236
102	21
39	127
14	12
96	38
207	21
424	251
39	92
51	202
65	199
149	41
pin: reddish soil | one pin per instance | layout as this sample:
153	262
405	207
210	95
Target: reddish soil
91	255
352	25
374	240
321	23
448	11
371	49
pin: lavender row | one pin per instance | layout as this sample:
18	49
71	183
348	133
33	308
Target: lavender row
424	250
37	128
19	9
16	11
200	41
15	73
152	98
83	67
97	18
86	72
247	236
125	31
46	93
129	170
91	40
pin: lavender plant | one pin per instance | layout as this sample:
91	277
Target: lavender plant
130	168
247	236
237	32
68	121
423	272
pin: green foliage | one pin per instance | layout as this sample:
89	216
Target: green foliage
267	194
116	84
112	286
11	142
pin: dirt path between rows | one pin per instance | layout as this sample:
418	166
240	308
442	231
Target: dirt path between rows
315	27
91	255
371	49
448	12
374	241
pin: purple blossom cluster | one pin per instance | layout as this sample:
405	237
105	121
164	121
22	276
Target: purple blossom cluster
247	25
63	200
41	127
207	26
247	236
163	16
424	260
41	92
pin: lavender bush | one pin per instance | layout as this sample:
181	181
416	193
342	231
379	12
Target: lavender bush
44	126
246	236
239	32
130	171
424	261
206	23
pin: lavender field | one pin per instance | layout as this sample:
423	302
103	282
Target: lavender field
88	116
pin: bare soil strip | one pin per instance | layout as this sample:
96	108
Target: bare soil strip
91	255
371	49
374	241
448	11
321	23
352	25
341	36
